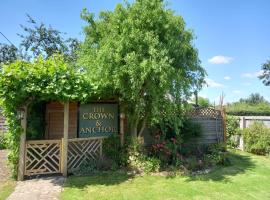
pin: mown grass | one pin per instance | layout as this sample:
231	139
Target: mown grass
6	188
247	178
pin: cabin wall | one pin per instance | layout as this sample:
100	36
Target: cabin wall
55	120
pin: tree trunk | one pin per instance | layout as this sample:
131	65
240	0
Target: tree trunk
134	128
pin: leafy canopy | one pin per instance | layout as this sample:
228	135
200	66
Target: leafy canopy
265	77
8	54
143	54
255	105
39	39
254	98
43	80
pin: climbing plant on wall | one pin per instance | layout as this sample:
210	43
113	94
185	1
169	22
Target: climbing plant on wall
39	80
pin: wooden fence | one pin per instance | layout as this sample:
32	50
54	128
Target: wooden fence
43	157
46	157
212	122
83	150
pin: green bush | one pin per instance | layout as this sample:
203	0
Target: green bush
257	139
143	163
217	154
3	141
232	130
245	109
113	150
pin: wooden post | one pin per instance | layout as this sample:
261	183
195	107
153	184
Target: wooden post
122	129
22	145
65	139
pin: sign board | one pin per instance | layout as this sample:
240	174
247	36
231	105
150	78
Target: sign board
98	120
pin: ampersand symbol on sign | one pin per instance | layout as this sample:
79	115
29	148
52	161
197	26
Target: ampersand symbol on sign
98	123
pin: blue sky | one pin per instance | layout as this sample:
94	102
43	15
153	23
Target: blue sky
232	36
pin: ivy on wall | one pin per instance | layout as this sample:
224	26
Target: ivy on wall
39	80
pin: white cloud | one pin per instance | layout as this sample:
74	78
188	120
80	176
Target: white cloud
212	83
253	74
220	60
227	77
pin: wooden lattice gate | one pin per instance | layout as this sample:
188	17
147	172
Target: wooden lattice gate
43	157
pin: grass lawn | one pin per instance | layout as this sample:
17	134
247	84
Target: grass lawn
6	188
7	185
247	178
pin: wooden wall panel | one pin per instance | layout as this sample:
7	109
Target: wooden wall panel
55	120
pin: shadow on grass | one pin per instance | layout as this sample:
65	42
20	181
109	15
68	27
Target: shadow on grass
240	163
106	178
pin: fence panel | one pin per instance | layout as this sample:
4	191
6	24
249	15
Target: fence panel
83	150
212	124
42	157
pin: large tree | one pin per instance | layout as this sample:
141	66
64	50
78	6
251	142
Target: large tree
8	53
143	54
39	39
254	98
265	77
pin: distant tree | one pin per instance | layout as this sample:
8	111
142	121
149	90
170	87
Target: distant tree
203	102
265	77
8	53
254	98
142	54
39	39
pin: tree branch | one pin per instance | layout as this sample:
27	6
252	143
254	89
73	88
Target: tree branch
142	128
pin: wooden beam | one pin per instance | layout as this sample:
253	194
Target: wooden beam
65	139
22	146
122	128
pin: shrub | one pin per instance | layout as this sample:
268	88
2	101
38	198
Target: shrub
113	150
139	160
143	163
245	109
232	130
168	142
3	141
257	139
217	154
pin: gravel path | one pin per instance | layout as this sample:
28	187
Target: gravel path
48	188
4	170
38	189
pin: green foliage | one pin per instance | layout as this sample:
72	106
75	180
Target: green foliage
265	77
143	54
257	139
131	154
202	156
113	150
245	109
254	105
217	154
138	159
41	80
8	53
168	143
232	130
190	130
3	141
94	166
203	102
143	163
41	40
254	98
36	121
